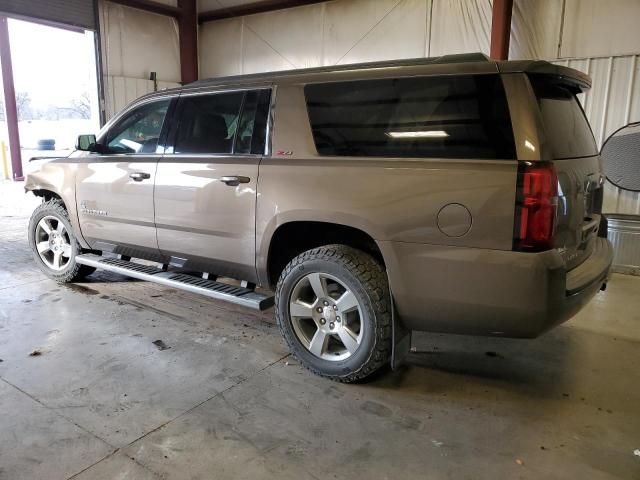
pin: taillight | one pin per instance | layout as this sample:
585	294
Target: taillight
536	203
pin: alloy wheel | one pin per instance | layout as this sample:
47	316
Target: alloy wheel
326	316
53	243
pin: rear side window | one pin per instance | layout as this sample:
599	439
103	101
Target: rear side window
252	132
222	123
461	116
567	130
207	123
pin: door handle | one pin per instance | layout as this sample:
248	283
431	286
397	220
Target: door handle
139	176
234	180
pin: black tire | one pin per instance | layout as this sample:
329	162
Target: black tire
367	280
72	271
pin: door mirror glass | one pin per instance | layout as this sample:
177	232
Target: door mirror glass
86	142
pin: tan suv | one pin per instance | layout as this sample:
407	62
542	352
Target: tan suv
455	194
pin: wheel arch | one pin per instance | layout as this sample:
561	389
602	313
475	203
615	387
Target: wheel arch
48	194
294	237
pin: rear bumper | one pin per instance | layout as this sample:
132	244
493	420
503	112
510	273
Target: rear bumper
489	292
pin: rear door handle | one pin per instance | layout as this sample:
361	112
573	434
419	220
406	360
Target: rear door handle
139	176
234	180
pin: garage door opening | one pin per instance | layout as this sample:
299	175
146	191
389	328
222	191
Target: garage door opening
56	89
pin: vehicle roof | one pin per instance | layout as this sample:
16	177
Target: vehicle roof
466	63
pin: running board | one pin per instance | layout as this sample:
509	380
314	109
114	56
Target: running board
209	288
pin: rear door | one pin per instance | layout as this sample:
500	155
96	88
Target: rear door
570	144
205	191
114	189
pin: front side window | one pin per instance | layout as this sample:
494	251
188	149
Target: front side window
455	116
139	130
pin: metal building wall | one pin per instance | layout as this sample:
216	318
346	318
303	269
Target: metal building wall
134	44
120	91
353	31
613	102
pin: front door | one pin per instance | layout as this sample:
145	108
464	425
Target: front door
114	189
205	190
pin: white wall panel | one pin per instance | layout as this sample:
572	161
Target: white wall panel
535	29
339	32
460	26
135	43
293	35
400	33
259	56
594	28
221	48
120	91
347	23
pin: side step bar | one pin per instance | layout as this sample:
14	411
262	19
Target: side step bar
209	288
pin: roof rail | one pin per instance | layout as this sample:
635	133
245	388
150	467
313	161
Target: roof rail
444	59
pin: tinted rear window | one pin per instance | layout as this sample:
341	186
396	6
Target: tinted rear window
462	116
567	130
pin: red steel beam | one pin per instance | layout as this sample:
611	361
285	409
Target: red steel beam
10	100
151	6
251	8
188	40
501	29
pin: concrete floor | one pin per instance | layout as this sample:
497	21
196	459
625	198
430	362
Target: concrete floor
101	401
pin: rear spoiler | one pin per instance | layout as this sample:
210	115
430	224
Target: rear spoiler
565	75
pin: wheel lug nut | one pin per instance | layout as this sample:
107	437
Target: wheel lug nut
337	319
335	307
319	309
326	304
323	321
331	325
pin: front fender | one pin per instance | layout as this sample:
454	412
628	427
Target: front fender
59	177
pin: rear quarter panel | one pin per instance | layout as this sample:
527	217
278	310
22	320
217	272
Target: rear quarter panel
396	200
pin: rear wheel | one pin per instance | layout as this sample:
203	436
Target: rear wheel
54	244
333	308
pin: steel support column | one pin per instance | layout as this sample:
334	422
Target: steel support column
188	40
501	29
10	100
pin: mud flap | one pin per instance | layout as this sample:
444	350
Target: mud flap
401	339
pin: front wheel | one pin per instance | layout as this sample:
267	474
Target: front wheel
333	308
54	244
